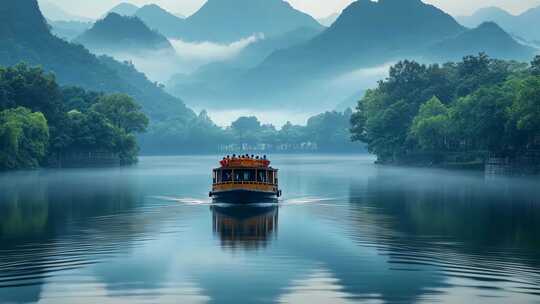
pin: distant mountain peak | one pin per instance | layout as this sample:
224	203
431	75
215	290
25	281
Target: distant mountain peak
394	24
490	26
228	21
124	9
122	33
489	38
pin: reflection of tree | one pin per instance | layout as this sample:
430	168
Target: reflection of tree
22	213
457	224
52	221
246	227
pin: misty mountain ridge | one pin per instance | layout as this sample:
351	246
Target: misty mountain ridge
124	9
366	35
160	19
26	37
489	38
116	33
68	30
54	12
525	25
228	21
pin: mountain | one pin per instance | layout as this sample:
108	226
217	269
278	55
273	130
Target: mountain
525	26
345	58
258	51
492	13
25	37
161	20
226	21
207	77
56	13
69	29
231	20
528	25
116	33
488	38
370	33
328	20
124	9
367	34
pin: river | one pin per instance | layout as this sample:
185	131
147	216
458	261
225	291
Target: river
345	231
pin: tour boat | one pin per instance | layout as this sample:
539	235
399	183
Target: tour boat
245	179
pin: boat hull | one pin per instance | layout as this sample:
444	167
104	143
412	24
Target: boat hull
242	196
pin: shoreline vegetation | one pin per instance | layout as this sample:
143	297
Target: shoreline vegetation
45	125
463	114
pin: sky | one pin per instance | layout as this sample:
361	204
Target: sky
317	8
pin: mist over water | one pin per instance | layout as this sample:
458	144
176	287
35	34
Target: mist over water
346	231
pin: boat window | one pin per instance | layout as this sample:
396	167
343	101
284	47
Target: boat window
244	175
226	176
261	176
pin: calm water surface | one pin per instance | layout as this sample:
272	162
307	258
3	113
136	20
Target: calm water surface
346	231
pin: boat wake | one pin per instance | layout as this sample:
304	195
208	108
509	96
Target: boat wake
309	200
184	200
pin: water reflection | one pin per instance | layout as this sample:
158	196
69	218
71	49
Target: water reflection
247	227
383	235
471	232
50	224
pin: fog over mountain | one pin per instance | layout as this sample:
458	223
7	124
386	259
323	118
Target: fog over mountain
56	13
30	41
68	30
230	60
329	68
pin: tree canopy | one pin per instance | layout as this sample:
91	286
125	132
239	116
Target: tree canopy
42	122
478	104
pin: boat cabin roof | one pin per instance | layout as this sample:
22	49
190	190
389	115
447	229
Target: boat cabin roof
245	163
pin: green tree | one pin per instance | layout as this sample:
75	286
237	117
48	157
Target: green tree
24	138
480	119
526	109
430	126
123	112
535	66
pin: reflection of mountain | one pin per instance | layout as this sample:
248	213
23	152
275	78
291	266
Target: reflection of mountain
244	226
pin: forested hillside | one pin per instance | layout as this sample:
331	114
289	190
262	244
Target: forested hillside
456	112
26	38
123	33
43	124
